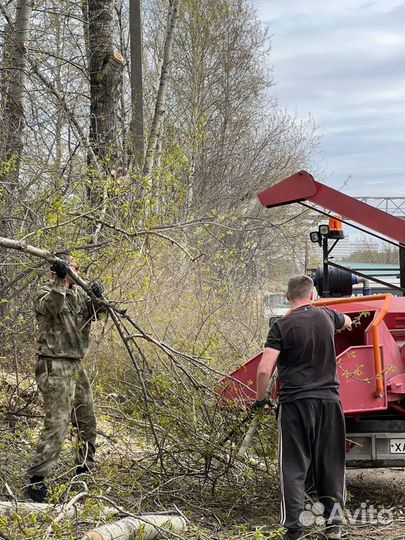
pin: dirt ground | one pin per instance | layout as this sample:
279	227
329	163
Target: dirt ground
376	479
384	490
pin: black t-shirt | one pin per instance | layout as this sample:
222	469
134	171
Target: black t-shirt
307	361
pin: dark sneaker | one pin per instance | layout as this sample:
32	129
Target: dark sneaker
37	490
82	469
292	535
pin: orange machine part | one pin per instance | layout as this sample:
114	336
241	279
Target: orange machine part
335	225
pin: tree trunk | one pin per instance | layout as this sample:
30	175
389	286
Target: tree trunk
14	108
105	66
13	122
137	132
160	106
59	120
105	71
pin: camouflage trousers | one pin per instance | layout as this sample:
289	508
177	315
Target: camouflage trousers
67	397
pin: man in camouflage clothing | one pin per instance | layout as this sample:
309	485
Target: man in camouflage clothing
64	314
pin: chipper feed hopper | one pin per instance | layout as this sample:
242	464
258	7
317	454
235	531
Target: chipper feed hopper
370	355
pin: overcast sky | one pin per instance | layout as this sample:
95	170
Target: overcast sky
342	61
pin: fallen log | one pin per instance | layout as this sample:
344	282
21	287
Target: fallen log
145	527
8	509
63	511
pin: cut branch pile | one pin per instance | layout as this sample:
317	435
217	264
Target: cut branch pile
129	332
171	407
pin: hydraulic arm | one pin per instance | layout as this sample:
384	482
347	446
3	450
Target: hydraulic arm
303	187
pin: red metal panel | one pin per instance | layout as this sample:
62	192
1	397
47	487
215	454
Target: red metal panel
298	187
302	186
232	391
357	381
244	394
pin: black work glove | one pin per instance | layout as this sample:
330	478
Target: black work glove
260	404
60	268
98	288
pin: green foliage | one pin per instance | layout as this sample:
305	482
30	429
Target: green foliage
9	166
185	250
369	254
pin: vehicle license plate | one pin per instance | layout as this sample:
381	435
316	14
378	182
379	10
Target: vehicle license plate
397	446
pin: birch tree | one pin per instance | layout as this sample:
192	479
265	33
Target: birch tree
16	44
160	106
105	66
222	121
13	108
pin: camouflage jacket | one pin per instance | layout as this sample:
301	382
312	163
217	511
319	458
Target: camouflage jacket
64	318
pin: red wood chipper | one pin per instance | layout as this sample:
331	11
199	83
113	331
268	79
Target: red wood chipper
370	356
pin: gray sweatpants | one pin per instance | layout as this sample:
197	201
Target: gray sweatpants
311	442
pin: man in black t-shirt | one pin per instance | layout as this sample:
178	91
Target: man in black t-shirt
310	418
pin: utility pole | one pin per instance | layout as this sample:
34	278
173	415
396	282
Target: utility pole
137	131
